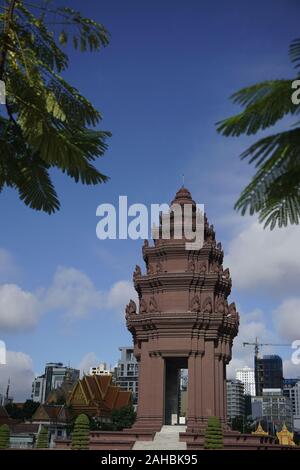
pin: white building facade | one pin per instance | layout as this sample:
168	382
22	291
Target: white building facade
247	377
235	399
101	369
127	372
291	390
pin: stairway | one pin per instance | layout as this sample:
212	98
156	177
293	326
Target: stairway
166	439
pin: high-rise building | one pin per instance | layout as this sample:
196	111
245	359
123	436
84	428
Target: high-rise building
38	389
246	376
235	399
127	372
274	409
291	390
101	369
54	376
268	373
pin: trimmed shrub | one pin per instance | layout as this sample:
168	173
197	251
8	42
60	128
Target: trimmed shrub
213	438
4	436
81	432
43	439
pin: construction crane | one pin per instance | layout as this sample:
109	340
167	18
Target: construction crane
257	345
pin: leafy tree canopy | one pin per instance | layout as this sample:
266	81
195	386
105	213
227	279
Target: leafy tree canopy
25	412
46	123
274	192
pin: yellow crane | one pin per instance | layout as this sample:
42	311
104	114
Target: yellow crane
257	345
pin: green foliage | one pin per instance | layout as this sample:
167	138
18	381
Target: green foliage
242	424
80	435
43	439
274	192
48	123
4	436
123	418
120	419
24	413
213	438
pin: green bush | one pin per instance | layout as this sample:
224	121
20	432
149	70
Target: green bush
80	436
43	439
123	418
213	438
4	436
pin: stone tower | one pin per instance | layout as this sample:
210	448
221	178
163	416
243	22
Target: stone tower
183	321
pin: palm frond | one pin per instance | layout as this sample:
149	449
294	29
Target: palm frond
294	52
275	189
265	104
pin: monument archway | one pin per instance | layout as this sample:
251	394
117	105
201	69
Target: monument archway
173	393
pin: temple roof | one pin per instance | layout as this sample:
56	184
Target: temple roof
98	390
51	413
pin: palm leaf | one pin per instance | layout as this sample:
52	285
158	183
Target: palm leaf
275	189
265	104
294	52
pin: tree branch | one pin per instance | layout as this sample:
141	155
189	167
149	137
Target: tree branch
7	23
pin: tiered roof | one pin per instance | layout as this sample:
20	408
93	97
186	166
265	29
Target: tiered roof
98	393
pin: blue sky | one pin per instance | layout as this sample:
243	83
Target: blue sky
162	84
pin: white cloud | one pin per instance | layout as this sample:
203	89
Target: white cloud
19	309
265	260
286	318
73	292
287	328
119	294
237	363
8	267
291	370
252	325
89	360
19	371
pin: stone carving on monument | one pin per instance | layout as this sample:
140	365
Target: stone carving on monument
158	267
131	308
226	274
203	268
153	307
149	269
207	305
143	306
191	265
220	305
195	304
137	272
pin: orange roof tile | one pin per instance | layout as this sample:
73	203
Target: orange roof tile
103	381
123	399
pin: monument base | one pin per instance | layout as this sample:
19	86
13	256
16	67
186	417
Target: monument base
125	440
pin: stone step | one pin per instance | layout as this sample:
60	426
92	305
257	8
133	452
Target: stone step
166	439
